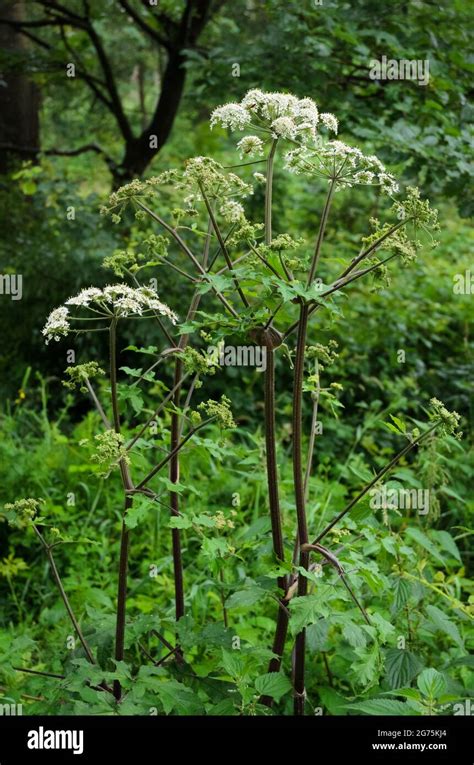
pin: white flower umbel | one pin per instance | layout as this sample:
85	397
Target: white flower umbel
57	324
276	115
347	165
115	300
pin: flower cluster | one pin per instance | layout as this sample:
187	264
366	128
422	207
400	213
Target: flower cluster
203	174
220	410
323	353
79	373
196	362
417	209
135	190
22	512
276	115
117	300
110	451
347	165
449	420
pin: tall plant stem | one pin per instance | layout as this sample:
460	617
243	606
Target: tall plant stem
281	627
298	479
275	515
174	444
125	533
174	497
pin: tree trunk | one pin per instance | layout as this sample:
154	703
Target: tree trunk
19	96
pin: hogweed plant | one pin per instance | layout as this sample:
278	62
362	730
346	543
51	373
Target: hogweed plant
262	285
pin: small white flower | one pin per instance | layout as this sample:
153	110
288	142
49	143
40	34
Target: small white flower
233	116
283	127
232	211
364	176
85	296
250	146
329	121
57	324
260	177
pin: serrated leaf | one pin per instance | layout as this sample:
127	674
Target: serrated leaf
307	609
401	593
446	542
273	684
424	541
246	597
179	698
444	624
431	683
138	512
354	635
401	666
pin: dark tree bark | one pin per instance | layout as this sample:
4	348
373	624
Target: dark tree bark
19	96
174	37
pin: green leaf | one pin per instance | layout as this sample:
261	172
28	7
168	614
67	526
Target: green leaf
380	707
354	635
317	636
420	538
307	609
384	628
179	698
367	667
401	667
431	683
138	512
273	684
247	597
401	593
444	624
180	522
446	542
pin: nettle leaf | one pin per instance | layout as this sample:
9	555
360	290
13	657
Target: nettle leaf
138	511
401	667
431	683
273	684
446	542
234	664
307	609
444	624
424	541
179	698
401	593
381	707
